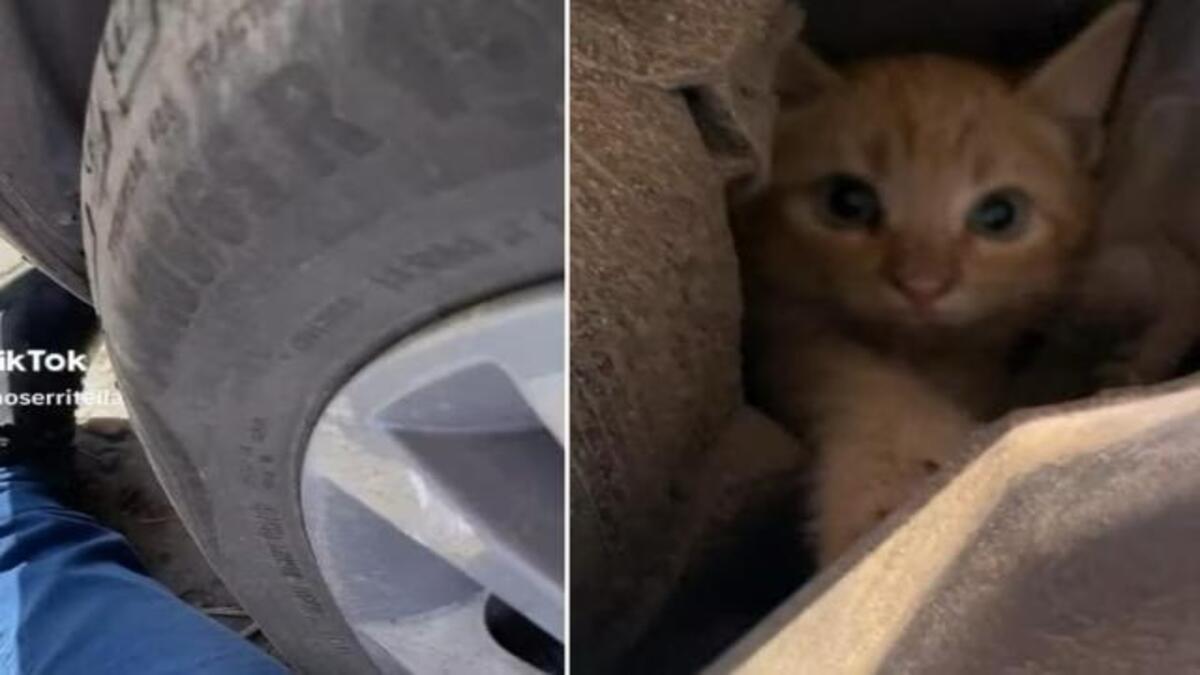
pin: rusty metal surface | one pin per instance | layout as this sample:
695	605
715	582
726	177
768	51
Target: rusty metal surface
1012	33
1084	566
654	296
1036	540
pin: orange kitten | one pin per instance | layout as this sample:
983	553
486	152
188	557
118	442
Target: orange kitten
923	213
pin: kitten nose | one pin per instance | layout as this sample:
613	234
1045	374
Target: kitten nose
923	290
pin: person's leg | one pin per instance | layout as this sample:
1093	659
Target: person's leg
74	599
73	596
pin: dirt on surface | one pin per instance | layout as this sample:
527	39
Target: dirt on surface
117	486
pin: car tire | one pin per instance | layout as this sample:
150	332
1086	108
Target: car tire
275	191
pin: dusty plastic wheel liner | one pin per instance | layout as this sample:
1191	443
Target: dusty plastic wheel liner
433	480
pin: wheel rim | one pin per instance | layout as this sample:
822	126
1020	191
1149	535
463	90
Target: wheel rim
433	481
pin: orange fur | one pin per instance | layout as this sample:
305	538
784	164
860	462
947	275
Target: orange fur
889	388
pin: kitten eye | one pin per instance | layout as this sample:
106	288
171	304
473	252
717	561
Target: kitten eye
851	203
1002	215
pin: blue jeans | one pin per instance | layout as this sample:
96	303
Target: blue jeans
74	599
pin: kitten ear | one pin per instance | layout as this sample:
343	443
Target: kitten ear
802	75
1077	83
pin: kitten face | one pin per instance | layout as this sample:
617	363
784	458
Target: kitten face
924	192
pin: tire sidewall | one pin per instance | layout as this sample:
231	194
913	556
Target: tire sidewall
409	197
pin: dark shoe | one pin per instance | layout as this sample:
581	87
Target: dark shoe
44	334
